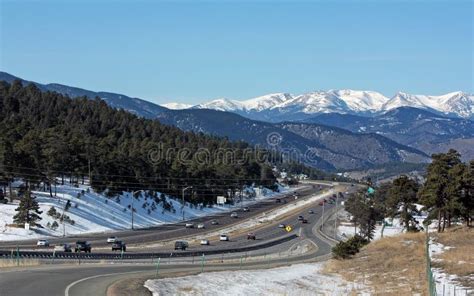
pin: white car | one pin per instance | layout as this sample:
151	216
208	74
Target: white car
205	242
189	225
42	243
234	215
224	238
112	239
63	248
201	226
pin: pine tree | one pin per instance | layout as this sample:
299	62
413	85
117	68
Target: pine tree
440	190
402	197
467	194
28	210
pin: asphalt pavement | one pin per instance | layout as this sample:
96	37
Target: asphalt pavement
93	279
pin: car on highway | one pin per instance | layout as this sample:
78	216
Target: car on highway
300	218
234	215
246	209
251	235
278	200
205	242
215	222
201	226
321	203
304	221
189	225
181	245
63	248
311	212
111	239
83	246
224	238
281	225
119	246
42	243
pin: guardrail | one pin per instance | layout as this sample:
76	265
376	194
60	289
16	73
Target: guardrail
15	254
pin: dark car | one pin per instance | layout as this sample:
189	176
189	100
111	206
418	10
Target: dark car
304	221
251	235
83	246
278	200
300	218
119	246
181	245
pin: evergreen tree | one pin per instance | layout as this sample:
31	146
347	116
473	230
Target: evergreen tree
441	190
28	210
363	212
402	197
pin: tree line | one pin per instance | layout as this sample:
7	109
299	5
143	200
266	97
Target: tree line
46	137
446	195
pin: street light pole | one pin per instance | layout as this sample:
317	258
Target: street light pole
184	189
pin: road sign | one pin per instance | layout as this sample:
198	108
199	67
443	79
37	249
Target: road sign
288	228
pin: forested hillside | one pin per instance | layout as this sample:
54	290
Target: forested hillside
46	137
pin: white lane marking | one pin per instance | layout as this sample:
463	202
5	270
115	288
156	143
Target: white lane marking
66	291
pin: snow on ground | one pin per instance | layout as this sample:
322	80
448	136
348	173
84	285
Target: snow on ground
93	212
446	284
346	228
300	279
393	226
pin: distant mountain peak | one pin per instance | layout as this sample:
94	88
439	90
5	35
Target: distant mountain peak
285	106
176	106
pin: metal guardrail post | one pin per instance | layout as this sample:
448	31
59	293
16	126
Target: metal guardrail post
157	267
17	255
202	263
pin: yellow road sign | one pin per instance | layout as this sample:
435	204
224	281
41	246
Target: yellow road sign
288	228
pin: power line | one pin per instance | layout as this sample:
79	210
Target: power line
123	176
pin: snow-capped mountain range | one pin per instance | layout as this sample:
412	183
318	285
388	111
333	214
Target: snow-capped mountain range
284	106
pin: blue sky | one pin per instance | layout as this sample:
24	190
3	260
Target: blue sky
194	51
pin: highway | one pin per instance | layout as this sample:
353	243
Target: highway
169	232
93	279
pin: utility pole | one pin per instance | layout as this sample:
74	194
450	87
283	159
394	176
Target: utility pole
184	189
241	197
90	174
133	197
64	222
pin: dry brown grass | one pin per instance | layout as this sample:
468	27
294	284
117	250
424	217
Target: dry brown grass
5	263
459	259
389	266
